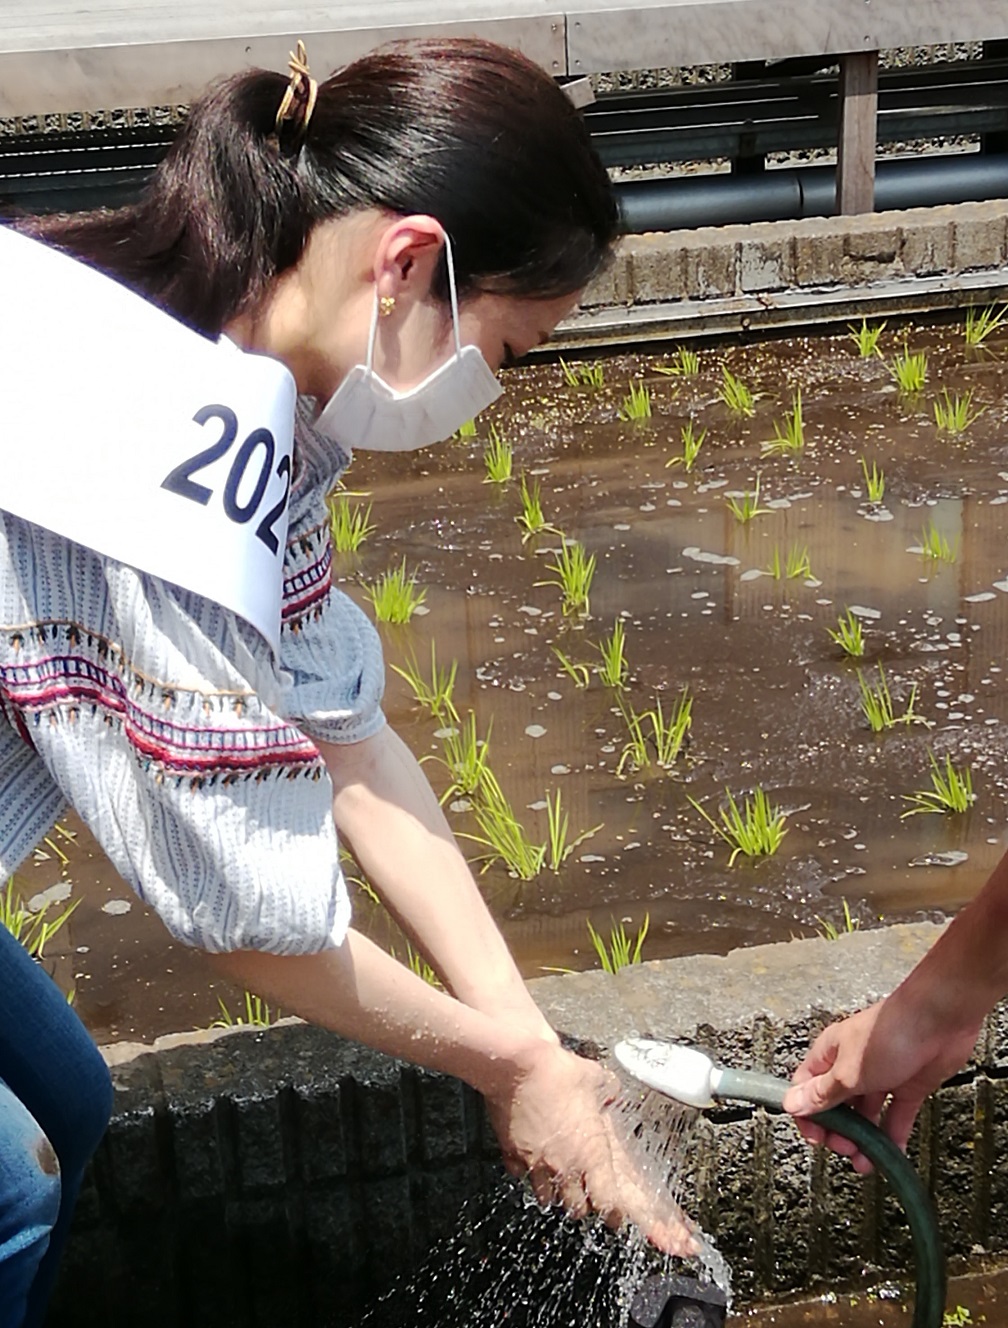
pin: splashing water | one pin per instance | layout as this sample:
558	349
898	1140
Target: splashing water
514	1261
656	1132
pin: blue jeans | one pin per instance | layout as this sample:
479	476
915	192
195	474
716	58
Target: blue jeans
55	1102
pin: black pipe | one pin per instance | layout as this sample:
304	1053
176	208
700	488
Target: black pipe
788	194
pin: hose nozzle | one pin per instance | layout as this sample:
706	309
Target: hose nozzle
691	1076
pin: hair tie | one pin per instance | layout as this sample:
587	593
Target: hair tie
299	99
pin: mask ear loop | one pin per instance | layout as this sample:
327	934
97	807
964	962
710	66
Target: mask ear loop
372	337
454	295
373	334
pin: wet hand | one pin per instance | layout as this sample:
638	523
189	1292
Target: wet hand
554	1126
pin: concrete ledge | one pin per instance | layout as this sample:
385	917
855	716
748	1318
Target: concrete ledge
785	273
287	1176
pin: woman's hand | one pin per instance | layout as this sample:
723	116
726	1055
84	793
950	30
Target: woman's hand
883	1061
553	1123
547	1105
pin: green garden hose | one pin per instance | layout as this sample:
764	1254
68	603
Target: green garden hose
690	1076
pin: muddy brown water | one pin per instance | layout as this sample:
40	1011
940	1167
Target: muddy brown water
775	702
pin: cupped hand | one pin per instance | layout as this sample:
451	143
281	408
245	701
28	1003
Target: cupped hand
554	1125
883	1061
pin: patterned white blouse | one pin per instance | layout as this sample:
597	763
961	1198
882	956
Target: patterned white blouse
168	725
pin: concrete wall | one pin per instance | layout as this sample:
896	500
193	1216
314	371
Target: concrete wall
786	273
285	1176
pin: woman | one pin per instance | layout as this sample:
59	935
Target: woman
311	224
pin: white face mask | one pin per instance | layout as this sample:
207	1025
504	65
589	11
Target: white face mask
365	412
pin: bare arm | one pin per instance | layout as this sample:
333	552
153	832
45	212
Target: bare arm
363	993
385	808
545	1103
907	1045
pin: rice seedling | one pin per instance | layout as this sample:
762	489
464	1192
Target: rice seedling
416	963
954	415
829	931
59	831
960	1317
980	323
874	481
620	951
866	337
613	670
465	755
583	374
756	830
579	673
503	834
951	790
257	1014
934	546
877	704
669	733
685	363
848	634
395	596
909	371
636	754
797	566
734	394
794	566
664	740
498	458
789	437
691	444
637	404
30	928
574	570
434	694
349	522
559	846
531	518
467	430
745	508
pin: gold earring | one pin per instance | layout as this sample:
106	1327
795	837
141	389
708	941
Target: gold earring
386	304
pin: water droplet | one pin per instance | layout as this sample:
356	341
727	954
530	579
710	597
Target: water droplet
56	894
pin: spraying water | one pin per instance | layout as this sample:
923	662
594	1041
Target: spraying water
514	1261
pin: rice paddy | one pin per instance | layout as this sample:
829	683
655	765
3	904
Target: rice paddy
599	660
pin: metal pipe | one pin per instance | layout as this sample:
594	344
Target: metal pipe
789	194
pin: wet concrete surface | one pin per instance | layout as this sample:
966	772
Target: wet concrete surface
977	1297
775	703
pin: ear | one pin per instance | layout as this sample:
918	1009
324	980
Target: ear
406	257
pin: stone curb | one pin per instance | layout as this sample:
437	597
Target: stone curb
702	269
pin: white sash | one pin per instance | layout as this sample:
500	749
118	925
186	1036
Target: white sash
131	434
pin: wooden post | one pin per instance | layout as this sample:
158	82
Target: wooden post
997	141
855	187
748	161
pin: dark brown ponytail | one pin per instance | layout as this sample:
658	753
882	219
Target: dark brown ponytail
463	130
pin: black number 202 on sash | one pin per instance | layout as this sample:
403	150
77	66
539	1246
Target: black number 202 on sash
259	448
